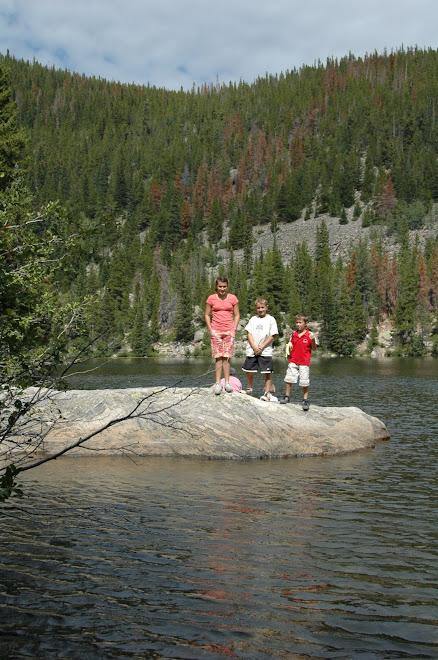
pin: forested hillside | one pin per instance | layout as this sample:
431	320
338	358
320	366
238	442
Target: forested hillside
156	181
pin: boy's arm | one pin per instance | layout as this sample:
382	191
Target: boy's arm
267	341
252	343
274	332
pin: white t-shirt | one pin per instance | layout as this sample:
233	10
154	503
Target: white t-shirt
261	329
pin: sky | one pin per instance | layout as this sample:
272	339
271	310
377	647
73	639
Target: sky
178	43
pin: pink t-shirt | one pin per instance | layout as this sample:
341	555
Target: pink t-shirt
234	382
222	311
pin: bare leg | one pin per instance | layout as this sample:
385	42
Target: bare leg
219	362
285	399
226	368
249	380
268	382
305	392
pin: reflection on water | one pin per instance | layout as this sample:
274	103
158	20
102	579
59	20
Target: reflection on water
174	558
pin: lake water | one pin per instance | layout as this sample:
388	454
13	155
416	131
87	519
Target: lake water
173	558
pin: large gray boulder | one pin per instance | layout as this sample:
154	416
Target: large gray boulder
196	423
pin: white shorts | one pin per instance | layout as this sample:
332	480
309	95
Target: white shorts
298	372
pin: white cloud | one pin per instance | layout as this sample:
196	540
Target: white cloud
177	42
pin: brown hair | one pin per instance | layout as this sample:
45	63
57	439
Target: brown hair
220	279
302	316
261	301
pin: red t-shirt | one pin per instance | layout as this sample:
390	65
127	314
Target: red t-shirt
301	348
222	311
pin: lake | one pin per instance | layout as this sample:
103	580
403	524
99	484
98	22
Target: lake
331	557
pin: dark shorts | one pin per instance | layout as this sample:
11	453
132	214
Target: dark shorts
262	363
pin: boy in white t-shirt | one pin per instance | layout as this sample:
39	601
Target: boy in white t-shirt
262	330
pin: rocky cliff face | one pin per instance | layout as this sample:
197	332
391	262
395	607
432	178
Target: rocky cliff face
342	238
196	423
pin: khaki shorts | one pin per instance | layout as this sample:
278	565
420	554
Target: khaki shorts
298	372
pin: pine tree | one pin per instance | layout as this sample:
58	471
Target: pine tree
184	330
342	339
242	293
359	320
303	275
247	248
405	316
236	236
386	200
119	281
357	211
173	226
152	301
140	339
324	278
215	221
294	304
374	336
12	140
369	179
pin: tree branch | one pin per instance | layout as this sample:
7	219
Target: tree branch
135	413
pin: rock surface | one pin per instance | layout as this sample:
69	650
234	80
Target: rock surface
196	423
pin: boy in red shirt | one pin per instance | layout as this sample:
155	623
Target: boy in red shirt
302	343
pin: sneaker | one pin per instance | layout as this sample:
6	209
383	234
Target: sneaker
248	391
306	405
265	397
228	387
284	399
217	388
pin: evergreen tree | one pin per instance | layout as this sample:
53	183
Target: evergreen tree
303	275
152	303
173	230
294	304
342	339
184	330
343	220
359	321
247	248
215	221
243	293
119	281
357	211
405	316
369	179
12	138
324	277
236	236
141	343
374	336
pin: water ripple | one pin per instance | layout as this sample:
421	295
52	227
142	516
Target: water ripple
171	558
